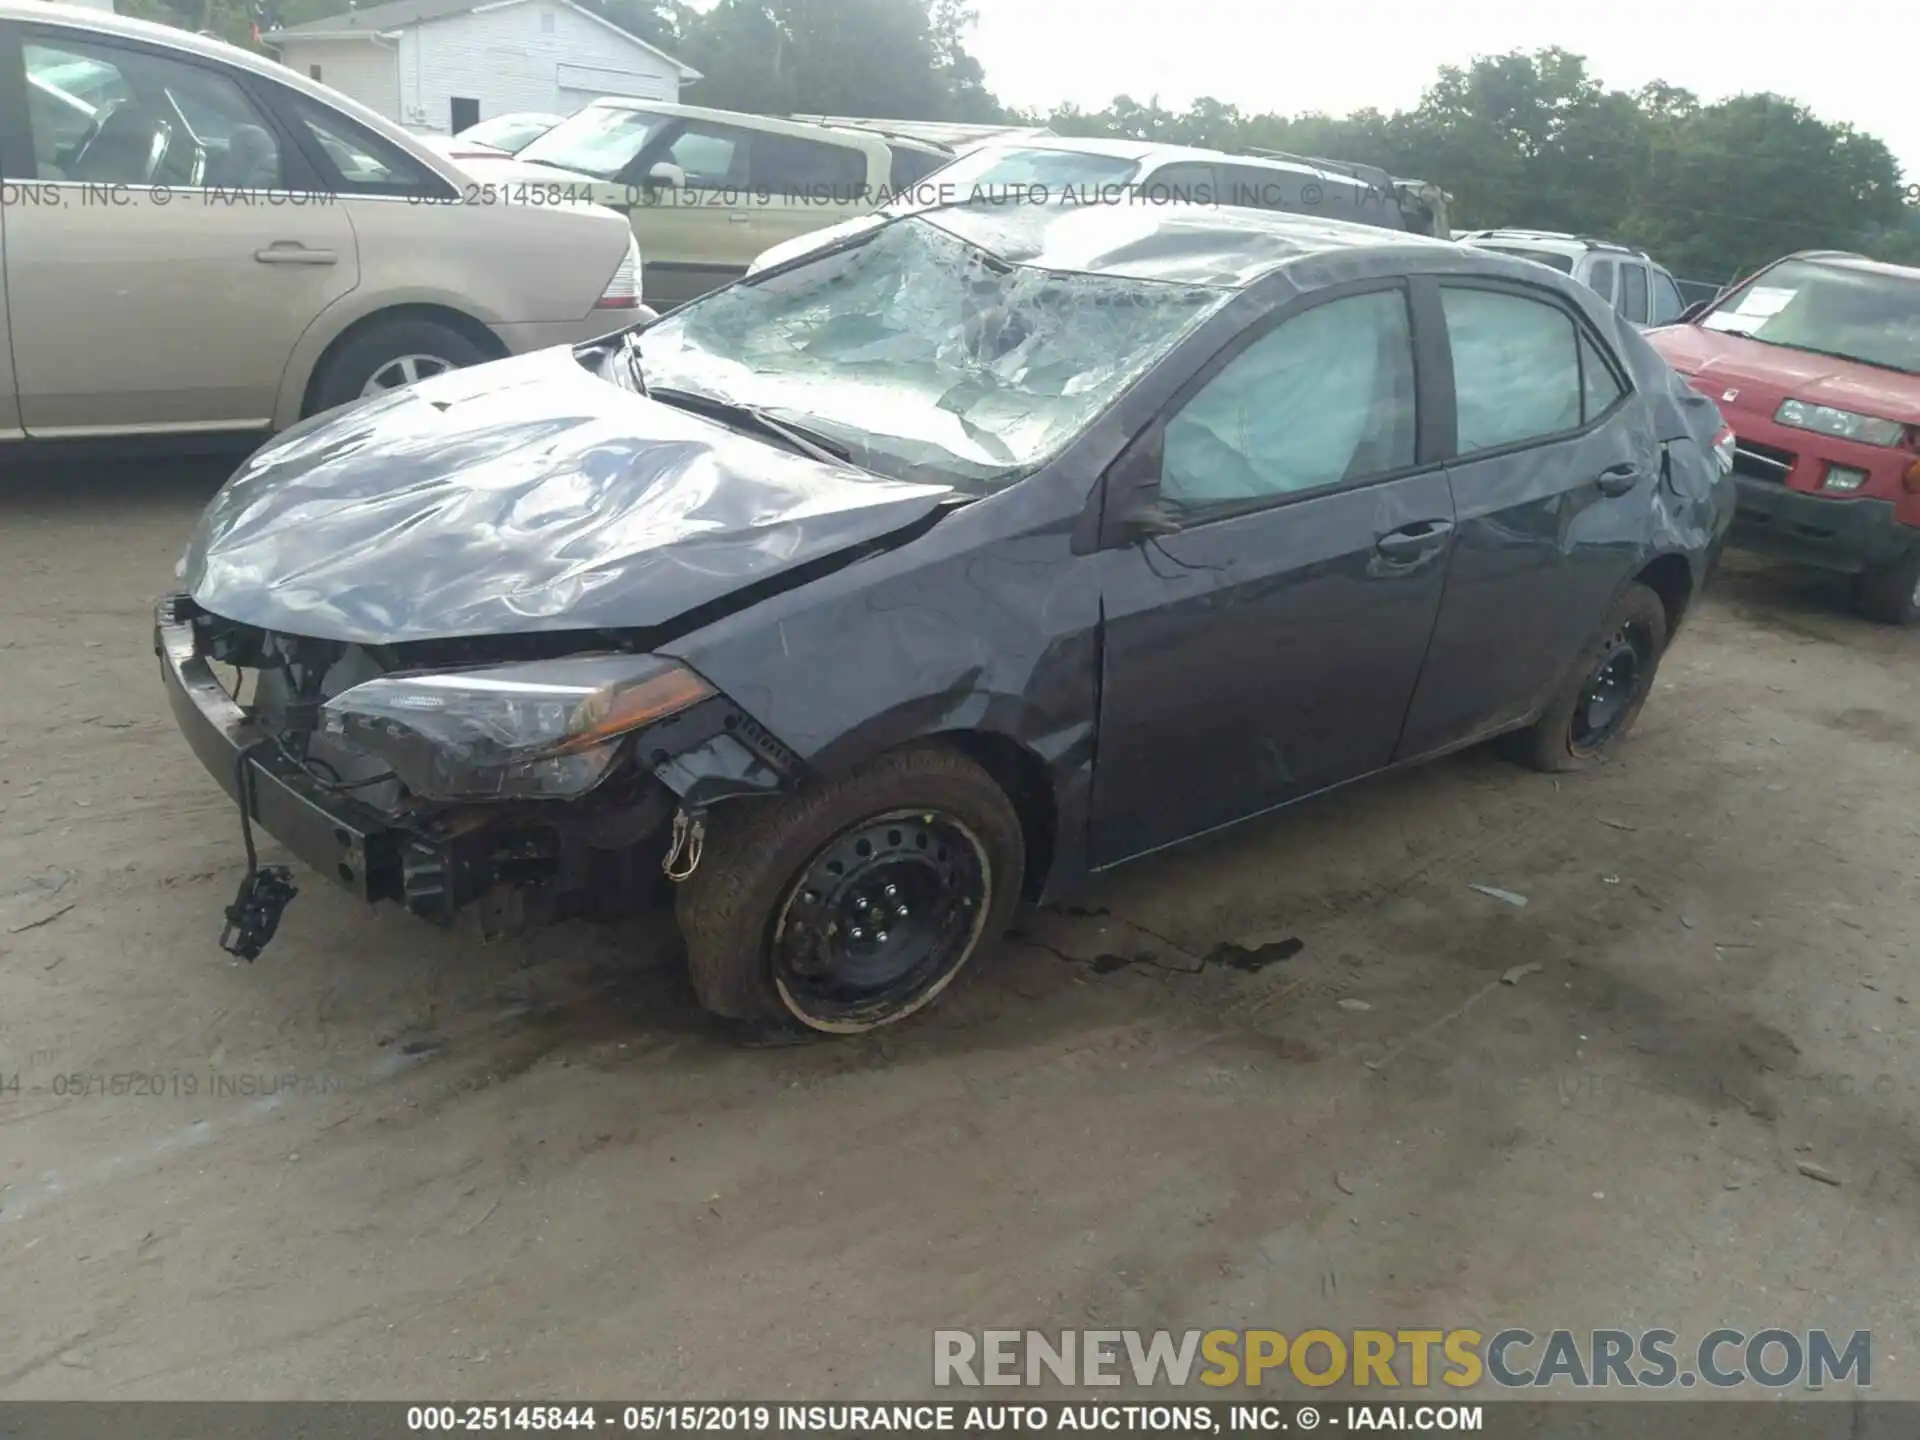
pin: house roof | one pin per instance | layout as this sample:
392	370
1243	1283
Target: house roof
399	14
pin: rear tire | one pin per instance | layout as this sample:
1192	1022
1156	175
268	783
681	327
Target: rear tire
1605	691
1891	594
774	930
384	346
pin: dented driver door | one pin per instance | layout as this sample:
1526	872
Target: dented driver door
1269	646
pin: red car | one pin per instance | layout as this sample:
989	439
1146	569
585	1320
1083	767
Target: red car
1815	363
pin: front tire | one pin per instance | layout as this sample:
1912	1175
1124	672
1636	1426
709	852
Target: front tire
1608	686
1891	594
856	902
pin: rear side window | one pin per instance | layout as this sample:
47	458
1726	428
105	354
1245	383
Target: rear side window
1516	368
1632	303
910	167
1667	302
362	162
1599	386
1602	279
807	169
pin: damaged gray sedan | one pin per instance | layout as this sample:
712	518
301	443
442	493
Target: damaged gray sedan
957	563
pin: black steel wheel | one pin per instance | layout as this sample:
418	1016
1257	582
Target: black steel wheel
882	918
1611	688
1608	685
856	901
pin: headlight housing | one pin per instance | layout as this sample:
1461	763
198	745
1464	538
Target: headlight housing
1825	420
549	729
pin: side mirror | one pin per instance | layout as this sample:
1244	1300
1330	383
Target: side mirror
669	175
1144	522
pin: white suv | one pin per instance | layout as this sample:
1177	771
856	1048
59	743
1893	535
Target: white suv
1642	291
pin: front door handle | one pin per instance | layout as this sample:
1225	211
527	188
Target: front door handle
292	252
1410	542
1618	479
738	219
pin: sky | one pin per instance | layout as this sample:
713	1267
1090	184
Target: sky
1853	63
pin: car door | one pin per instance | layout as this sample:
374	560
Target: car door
1268	647
1553	463
166	255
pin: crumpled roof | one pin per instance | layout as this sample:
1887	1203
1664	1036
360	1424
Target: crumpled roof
1144	239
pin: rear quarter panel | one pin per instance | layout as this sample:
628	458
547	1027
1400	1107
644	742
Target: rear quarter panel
504	264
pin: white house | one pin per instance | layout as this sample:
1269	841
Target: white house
440	65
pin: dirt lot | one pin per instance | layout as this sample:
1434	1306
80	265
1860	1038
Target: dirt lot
432	1167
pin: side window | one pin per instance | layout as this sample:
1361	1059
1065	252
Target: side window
713	156
1183	183
807	169
363	163
1516	367
1255	188
113	116
1599	387
1633	293
1325	397
1602	279
910	167
1667	303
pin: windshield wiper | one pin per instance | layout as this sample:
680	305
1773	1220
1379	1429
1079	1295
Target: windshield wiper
751	417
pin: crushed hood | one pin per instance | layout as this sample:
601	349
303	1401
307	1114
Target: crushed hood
526	495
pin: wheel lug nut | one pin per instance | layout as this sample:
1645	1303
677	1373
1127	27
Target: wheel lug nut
856	933
892	892
901	913
881	937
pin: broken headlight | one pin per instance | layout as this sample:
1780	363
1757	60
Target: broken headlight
548	729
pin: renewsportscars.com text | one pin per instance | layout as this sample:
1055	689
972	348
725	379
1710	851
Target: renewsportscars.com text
1772	1358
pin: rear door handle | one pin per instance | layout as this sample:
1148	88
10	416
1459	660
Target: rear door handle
1618	479
292	252
1410	542
737	219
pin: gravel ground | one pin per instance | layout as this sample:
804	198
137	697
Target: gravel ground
429	1167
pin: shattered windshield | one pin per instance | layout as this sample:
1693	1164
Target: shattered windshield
1863	315
924	356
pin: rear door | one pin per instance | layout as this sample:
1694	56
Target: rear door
1268	649
1553	461
167	254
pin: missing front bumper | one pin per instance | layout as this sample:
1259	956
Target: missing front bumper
360	848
